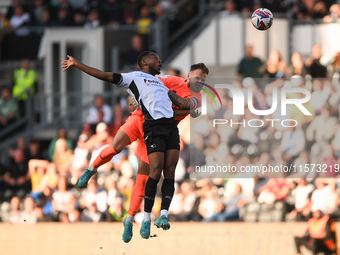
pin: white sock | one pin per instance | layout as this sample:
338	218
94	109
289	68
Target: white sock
91	167
147	216
164	212
130	218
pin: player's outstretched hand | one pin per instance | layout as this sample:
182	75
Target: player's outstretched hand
194	113
66	64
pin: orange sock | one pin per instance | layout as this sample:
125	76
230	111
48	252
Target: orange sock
104	156
138	194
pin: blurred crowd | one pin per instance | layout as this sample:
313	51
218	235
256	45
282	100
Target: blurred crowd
94	13
84	13
40	185
327	10
310	140
13	98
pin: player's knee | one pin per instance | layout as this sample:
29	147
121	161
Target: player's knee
170	169
155	173
118	146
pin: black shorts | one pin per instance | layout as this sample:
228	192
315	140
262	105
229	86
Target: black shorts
161	135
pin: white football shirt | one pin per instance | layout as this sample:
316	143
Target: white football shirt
150	93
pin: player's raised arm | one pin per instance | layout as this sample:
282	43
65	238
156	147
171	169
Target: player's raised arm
180	102
71	61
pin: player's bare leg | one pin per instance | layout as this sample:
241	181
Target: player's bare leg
156	160
137	197
168	187
120	141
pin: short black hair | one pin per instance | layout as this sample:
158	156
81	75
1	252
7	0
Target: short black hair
142	56
200	66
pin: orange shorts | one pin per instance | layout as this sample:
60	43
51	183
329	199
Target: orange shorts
133	127
141	151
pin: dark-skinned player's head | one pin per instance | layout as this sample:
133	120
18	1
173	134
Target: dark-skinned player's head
197	75
149	62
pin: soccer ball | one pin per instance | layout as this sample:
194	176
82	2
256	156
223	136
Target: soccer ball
262	19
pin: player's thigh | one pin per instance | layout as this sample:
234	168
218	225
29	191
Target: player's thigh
171	159
120	141
143	167
127	133
156	164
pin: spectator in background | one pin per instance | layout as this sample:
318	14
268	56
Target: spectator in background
229	11
320	194
100	112
61	198
166	4
322	127
46	20
313	65
34	150
51	177
208	206
158	11
21	145
275	6
131	8
91	214
302	194
81	157
136	49
92	20
61	133
231	203
144	21
63	18
292	143
78	19
37	170
111	13
47	205
79	5
320	94
14	216
319	10
275	66
28	215
24	79
249	65
117	212
19	20
129	18
95	194
11	10
334	67
8	108
62	157
38	9
334	13
189	208
112	190
17	178
174	72
297	67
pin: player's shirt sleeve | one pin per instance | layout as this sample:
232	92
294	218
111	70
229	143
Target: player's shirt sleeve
124	79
